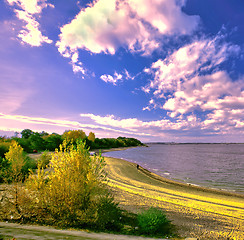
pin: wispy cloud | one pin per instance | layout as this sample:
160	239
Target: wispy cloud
28	11
218	124
7	121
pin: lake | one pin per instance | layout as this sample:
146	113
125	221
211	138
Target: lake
219	166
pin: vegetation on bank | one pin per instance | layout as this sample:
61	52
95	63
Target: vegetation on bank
40	141
68	188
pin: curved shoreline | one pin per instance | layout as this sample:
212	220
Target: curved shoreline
180	182
188	185
195	211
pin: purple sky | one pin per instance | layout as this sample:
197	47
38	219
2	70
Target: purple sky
156	70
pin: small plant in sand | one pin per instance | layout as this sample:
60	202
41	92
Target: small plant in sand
153	221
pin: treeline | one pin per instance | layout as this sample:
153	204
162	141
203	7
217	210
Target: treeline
32	141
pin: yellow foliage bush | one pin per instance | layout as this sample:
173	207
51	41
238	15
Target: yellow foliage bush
69	192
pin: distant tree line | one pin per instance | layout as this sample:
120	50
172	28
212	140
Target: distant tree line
32	141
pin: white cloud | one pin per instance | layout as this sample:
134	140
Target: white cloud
112	126
116	77
112	79
106	25
190	77
30	6
151	128
219	124
191	60
165	16
206	93
190	81
27	11
110	120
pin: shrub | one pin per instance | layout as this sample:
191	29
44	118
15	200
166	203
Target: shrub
153	221
25	144
30	164
4	169
68	195
16	158
4	147
108	214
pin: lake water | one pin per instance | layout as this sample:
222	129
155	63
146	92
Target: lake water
218	166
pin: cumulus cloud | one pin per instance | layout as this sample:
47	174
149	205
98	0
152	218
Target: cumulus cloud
190	81
191	78
28	11
194	59
110	120
165	16
106	25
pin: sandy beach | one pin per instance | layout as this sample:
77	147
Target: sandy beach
195	211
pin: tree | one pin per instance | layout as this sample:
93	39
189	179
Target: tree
16	159
15	156
53	141
26	133
37	142
91	137
74	135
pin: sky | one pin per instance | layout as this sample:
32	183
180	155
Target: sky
155	70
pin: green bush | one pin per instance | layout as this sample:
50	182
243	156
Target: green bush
30	164
4	168
108	214
153	221
25	144
4	147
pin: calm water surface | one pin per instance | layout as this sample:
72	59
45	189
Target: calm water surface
218	166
